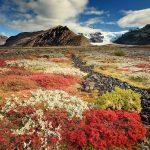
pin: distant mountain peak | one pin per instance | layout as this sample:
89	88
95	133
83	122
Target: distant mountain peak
136	37
102	37
56	36
147	26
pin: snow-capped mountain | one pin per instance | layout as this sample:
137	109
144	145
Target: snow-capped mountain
110	37
102	37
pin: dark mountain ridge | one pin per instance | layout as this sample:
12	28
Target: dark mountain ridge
58	36
136	37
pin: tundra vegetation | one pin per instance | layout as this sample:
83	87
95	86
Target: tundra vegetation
43	104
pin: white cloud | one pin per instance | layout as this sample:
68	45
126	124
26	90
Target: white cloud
92	21
93	11
58	9
49	13
4	34
138	18
110	23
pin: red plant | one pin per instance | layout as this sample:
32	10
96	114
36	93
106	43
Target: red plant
18	71
124	69
56	117
2	63
16	83
103	129
99	129
13	119
61	60
142	66
7	138
52	81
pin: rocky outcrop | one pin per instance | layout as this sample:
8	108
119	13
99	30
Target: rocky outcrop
58	36
136	37
3	39
96	37
102	83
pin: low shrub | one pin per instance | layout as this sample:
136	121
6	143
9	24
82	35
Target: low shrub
46	66
39	64
16	83
53	81
119	53
144	66
104	129
120	99
26	128
2	63
60	60
49	100
17	71
138	78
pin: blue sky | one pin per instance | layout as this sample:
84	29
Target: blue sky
115	8
80	15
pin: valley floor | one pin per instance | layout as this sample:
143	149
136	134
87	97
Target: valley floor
72	98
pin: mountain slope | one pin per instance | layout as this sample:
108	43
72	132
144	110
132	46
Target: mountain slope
3	39
136	37
58	36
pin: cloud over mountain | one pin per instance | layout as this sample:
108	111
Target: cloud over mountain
31	15
138	18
